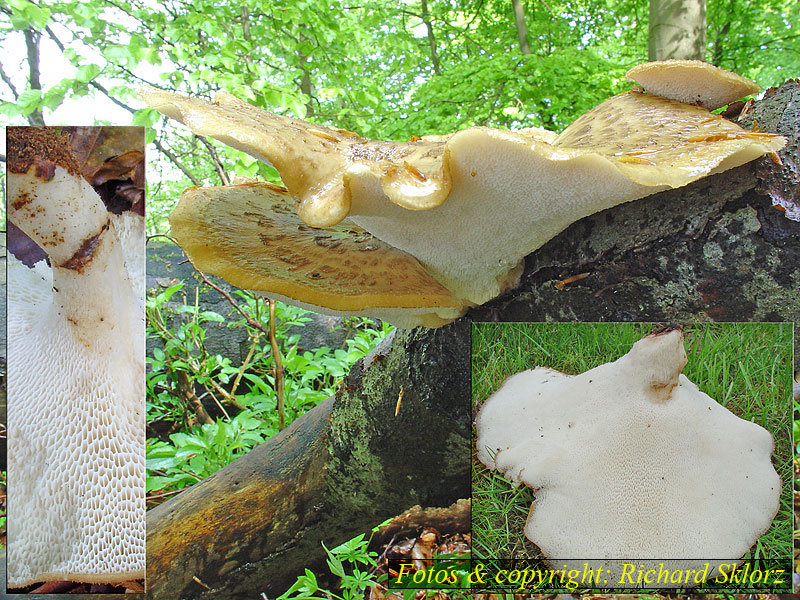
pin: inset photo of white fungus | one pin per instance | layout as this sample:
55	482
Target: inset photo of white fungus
641	450
76	460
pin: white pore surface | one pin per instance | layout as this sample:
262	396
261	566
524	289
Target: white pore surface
506	201
619	473
129	227
76	461
692	82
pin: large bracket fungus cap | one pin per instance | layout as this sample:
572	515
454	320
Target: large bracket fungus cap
468	206
692	82
313	159
672	474
76	471
341	269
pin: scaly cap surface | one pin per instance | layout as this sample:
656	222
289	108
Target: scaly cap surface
471	205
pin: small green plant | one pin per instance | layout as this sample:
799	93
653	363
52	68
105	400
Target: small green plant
194	456
347	561
181	359
183	378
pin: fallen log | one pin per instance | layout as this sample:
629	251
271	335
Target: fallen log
397	434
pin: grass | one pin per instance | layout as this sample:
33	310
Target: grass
746	367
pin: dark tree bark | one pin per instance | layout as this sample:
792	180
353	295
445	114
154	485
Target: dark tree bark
396	435
714	250
32	40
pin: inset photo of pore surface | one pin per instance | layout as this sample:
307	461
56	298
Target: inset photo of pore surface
632	456
76	460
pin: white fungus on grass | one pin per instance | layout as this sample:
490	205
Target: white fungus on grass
631	461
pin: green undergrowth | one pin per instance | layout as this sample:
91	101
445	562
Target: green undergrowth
240	400
746	367
355	570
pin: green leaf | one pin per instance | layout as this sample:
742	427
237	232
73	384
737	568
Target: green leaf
28	101
26	14
155	483
53	97
118	54
210	315
336	567
221	434
297	106
88	72
160	464
10	109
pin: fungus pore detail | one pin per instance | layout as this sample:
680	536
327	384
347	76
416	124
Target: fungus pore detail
76	461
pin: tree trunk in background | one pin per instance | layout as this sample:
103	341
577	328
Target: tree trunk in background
677	29
32	40
522	29
396	435
431	38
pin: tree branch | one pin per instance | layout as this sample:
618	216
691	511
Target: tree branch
223	176
250	320
187	390
8	82
176	161
32	38
276	357
522	29
119	103
431	39
55	39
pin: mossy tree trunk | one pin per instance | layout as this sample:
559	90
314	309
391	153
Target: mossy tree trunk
396	435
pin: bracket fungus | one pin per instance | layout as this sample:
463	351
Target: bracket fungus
692	82
76	463
463	209
674	477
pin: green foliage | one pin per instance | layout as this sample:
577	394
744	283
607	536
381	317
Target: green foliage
181	373
350	562
354	564
194	456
